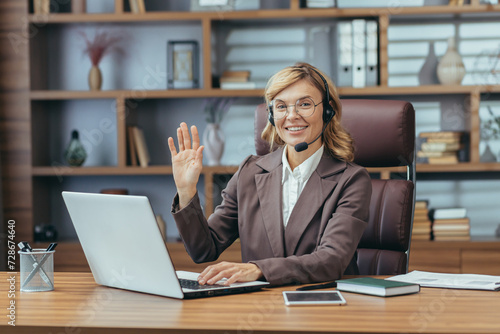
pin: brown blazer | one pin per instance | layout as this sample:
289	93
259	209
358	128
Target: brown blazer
322	234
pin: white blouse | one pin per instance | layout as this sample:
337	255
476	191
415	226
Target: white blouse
293	182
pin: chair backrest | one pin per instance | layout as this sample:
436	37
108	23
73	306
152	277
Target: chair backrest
384	136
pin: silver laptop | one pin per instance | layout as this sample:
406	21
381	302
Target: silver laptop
124	247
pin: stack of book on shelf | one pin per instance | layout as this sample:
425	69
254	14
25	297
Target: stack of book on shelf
236	80
421	222
320	3
137	6
443	147
137	148
450	224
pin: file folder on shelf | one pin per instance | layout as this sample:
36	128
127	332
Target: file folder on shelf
359	53
371	53
344	46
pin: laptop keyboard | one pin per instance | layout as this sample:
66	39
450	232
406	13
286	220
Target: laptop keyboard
194	285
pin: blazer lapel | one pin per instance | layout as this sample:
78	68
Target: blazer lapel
316	191
269	192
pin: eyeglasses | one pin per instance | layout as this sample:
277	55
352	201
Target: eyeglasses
305	107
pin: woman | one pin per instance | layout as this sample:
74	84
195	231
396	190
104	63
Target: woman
299	211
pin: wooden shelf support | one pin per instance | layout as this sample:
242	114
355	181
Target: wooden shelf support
383	26
121	131
119	6
475	126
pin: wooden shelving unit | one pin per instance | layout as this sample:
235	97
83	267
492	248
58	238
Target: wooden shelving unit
293	13
41	176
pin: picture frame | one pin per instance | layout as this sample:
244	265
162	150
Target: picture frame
212	5
183	64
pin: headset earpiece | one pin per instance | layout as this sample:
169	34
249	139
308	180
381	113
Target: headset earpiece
328	111
328	114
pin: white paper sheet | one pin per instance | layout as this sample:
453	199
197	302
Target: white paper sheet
452	281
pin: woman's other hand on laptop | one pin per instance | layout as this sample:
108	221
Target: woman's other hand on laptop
234	272
187	163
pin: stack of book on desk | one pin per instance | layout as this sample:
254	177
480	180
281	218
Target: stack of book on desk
444	147
376	286
421	222
450	224
236	80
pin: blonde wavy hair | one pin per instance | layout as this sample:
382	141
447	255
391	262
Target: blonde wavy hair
335	138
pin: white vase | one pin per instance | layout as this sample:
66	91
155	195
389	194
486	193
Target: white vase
488	155
214	140
427	74
451	69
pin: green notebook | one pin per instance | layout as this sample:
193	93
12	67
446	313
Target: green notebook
377	286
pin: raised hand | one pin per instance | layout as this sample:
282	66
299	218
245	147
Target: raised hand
187	163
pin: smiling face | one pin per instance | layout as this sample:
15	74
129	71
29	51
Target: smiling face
293	128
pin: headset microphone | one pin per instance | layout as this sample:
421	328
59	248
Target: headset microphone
303	146
328	114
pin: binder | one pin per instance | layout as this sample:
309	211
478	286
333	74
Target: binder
358	53
371	53
344	45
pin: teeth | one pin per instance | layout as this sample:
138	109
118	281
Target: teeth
296	128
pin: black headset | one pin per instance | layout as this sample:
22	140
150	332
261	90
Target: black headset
328	111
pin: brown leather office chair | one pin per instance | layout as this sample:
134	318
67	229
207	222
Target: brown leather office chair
384	136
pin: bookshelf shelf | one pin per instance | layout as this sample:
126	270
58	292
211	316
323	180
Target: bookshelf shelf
142	94
130	170
40	95
297	13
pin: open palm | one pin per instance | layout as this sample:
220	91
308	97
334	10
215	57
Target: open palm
187	162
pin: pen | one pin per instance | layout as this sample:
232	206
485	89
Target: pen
318	286
25	247
51	247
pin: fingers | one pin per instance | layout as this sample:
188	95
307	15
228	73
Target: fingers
196	137
180	139
234	272
199	154
171	146
185	136
207	276
184	139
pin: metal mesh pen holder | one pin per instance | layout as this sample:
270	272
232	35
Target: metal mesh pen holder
37	270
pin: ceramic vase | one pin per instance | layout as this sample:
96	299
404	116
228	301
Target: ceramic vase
451	69
487	155
78	6
75	154
95	78
427	74
214	140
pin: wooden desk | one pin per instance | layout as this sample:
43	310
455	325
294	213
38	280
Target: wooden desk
80	306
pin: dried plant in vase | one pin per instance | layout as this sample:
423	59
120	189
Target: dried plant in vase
102	44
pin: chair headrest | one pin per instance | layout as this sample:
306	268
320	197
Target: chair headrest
383	131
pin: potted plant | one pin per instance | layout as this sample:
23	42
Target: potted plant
97	48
